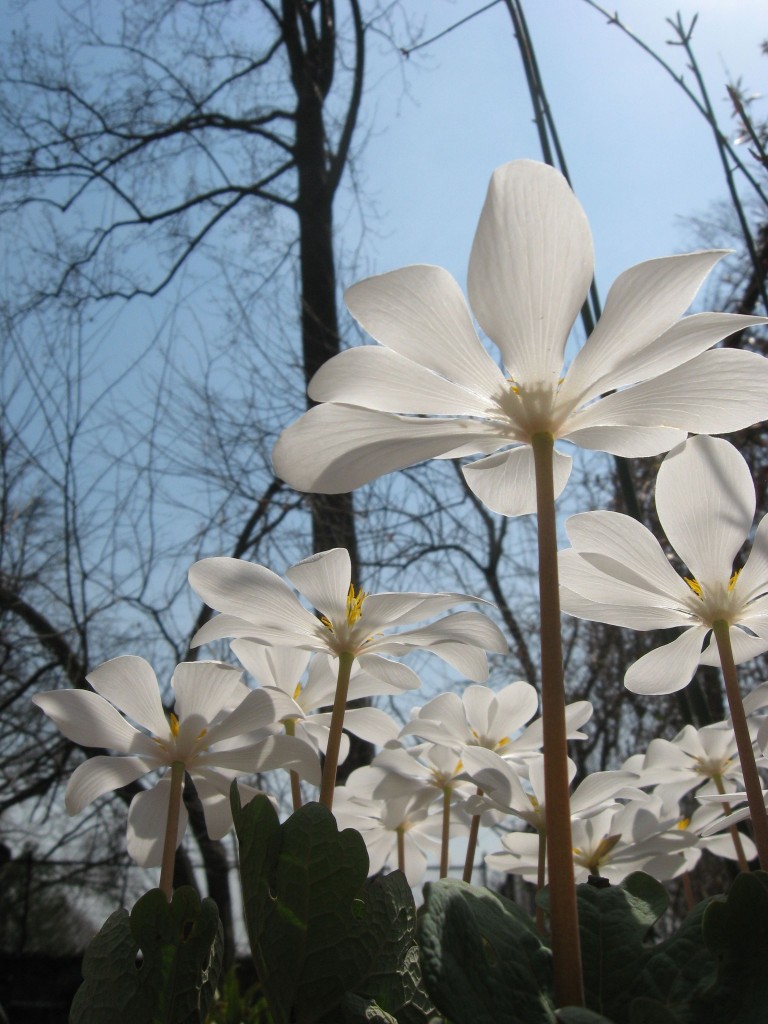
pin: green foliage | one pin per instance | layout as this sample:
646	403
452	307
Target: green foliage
174	980
483	960
323	941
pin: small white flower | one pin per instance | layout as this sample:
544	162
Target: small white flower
256	604
617	572
214	741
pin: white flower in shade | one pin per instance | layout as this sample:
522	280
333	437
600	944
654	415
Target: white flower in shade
381	822
503	789
617	572
639	836
492	719
256	604
283	669
699	759
431	390
214	740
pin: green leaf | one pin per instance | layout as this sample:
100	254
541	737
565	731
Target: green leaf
394	981
301	886
482	958
613	923
174	980
736	932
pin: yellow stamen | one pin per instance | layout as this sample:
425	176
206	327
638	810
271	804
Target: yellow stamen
297	691
683	824
354	604
502	742
694	585
732	580
174	725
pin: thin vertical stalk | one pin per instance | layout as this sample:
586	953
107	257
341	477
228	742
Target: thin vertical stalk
469	860
328	783
171	829
290	730
741	857
446	834
541	879
755	799
400	849
564	921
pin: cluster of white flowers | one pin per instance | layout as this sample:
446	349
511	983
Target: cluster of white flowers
646	378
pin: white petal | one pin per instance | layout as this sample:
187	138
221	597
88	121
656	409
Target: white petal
271	666
147	819
324	580
506	481
632	442
213	791
371	724
90	720
255	713
420	313
286	752
250	592
376	378
336	448
102	774
530	267
203	689
621	538
753	578
614	612
382	676
131	685
668	668
705	499
714	393
743	646
643	303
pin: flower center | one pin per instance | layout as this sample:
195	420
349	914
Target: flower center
355	600
533	408
715	600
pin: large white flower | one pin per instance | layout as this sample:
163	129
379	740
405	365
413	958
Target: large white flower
617	572
529	273
215	741
256	604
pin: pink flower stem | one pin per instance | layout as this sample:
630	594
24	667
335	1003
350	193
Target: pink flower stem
563	914
328	783
446	834
290	730
754	789
474	828
172	829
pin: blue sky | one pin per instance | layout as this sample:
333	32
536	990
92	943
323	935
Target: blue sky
641	158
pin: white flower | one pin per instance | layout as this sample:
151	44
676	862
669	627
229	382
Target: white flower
529	273
214	741
256	604
617	572
492	719
282	669
694	758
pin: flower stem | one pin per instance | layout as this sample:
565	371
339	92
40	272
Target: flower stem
755	799
337	725
446	835
171	829
290	730
469	860
564	921
400	848
741	857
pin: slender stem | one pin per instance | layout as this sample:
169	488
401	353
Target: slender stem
337	725
741	857
290	730
400	848
564	921
469	860
690	899
752	784
541	879
171	829
446	835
